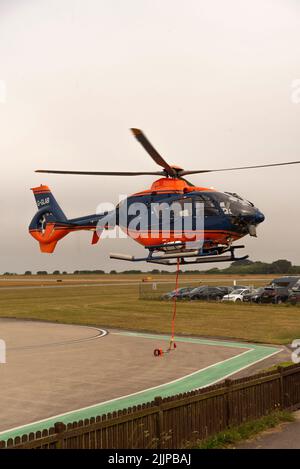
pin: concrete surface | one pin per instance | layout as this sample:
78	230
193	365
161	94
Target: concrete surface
55	368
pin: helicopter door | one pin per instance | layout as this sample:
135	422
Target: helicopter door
172	215
183	215
212	215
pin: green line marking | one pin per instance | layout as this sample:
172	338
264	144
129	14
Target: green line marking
251	354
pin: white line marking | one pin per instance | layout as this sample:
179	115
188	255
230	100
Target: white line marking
243	368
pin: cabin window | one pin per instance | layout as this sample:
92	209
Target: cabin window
210	208
186	207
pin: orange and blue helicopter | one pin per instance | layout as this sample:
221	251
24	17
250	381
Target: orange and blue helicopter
226	216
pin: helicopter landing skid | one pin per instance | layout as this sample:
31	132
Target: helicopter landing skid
185	257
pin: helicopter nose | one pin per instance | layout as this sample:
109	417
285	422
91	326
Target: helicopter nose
259	217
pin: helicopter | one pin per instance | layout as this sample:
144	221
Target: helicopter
224	217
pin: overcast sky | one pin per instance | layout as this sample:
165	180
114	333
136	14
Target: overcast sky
209	82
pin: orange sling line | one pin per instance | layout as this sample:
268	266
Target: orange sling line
174	306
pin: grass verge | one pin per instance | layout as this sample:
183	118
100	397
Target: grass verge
247	430
281	364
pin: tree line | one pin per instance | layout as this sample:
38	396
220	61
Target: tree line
281	266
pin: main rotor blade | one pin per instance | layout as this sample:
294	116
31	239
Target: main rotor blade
183	173
103	173
141	137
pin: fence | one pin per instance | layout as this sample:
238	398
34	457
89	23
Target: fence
173	421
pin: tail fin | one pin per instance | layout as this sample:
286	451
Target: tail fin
44	198
49	224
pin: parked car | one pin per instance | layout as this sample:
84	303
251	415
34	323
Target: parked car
236	295
206	293
294	296
274	294
185	295
180	292
254	296
193	292
294	293
279	289
227	289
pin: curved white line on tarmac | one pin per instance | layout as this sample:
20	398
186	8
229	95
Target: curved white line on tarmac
101	333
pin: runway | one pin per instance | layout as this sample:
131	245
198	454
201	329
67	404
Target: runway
66	373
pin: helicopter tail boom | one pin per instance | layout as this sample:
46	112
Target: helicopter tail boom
50	224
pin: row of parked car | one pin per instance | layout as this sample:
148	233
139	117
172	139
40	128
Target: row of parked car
280	290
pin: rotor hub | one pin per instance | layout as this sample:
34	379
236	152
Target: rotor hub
170	184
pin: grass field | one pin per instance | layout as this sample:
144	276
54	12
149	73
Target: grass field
119	306
70	279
